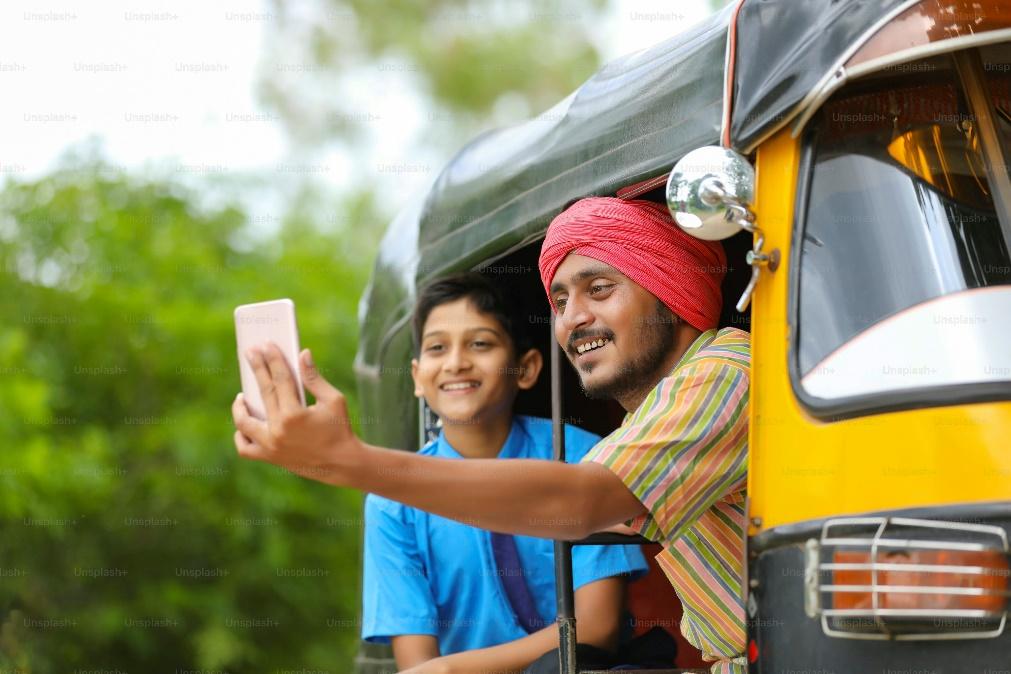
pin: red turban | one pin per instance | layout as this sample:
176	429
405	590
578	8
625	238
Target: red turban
641	240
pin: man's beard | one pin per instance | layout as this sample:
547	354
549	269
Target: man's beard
654	339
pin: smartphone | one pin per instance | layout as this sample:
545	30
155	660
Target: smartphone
255	324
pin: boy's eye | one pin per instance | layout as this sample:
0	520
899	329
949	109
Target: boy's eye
433	347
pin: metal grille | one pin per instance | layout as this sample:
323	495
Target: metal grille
860	579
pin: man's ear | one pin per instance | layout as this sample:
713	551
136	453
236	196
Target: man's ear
418	392
530	364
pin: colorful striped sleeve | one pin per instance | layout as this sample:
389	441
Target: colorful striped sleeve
684	448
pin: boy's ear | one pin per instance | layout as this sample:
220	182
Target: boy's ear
530	364
418	392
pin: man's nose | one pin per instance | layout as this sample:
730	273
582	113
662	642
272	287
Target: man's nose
576	315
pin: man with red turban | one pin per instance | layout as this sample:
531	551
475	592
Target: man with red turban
637	304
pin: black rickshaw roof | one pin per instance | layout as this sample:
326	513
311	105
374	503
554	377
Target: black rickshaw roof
630	121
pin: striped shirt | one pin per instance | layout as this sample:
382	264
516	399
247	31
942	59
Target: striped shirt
684	454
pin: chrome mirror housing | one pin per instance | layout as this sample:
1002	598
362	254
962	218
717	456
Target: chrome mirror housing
708	193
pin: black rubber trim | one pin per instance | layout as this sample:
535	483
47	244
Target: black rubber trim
861	405
608	538
792	534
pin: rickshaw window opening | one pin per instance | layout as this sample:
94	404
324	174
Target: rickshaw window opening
902	230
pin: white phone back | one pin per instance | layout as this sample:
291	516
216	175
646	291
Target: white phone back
255	324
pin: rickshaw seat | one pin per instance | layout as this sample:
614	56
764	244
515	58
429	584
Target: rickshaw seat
653	603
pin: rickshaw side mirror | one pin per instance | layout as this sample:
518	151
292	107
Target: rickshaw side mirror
708	193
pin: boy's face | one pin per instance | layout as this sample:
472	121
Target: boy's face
466	368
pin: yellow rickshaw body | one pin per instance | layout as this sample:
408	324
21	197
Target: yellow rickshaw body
802	468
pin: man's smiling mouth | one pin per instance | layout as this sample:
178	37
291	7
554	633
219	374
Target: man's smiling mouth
592	346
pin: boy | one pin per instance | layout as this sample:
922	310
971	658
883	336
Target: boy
450	597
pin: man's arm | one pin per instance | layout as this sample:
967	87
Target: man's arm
411	650
549	499
531	497
598	622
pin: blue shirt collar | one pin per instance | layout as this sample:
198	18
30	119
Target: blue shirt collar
514	448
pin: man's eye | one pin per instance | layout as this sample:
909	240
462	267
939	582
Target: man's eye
560	303
600	287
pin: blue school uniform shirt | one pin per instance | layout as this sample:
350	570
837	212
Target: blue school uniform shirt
426	574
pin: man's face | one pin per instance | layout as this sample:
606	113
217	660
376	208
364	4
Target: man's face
617	335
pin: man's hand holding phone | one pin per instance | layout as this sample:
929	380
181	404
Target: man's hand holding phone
315	442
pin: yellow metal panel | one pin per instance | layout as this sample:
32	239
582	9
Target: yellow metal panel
801	468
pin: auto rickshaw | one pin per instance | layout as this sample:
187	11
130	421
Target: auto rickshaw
853	158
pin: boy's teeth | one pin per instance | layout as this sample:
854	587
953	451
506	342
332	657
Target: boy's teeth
454	387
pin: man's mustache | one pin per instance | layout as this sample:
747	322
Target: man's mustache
579	335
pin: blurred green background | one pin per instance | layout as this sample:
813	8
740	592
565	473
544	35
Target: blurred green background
132	537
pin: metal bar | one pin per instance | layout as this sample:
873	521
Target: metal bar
909	543
916	589
563	549
422	425
924	568
970	70
951	636
567	646
911	613
921	636
911	522
874	579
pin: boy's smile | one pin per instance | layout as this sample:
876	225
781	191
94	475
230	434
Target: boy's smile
465	386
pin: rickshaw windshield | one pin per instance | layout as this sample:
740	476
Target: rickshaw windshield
904	258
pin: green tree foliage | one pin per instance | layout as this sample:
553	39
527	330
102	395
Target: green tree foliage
474	64
463	57
133	537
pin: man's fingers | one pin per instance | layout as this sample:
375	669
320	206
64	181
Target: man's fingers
314	381
247	448
268	391
250	427
288	399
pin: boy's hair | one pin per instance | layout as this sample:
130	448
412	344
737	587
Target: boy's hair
487	297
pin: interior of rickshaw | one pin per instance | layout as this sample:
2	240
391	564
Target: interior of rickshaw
651	602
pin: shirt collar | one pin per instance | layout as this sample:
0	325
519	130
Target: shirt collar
700	343
513	447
